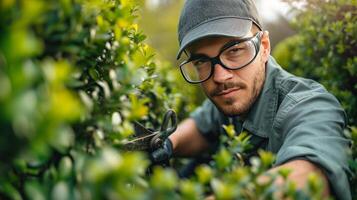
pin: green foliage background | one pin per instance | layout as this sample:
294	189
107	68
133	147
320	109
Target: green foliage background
160	25
75	74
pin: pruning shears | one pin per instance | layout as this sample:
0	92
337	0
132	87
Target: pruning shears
149	140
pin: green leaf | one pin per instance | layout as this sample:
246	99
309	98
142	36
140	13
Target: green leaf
138	108
223	158
163	180
204	174
94	73
191	190
229	130
267	158
223	190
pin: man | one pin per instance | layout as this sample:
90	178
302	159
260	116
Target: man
228	54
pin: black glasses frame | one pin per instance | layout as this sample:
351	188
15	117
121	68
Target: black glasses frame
256	39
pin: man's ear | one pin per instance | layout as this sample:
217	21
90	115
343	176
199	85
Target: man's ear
265	46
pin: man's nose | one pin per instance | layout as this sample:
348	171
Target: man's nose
221	74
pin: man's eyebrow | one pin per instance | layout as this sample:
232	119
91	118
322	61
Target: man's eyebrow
198	55
230	42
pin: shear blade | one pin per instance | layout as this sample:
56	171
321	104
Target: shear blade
140	130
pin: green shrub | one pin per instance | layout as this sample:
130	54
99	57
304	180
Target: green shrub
74	75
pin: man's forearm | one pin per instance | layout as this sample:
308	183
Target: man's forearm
300	171
186	140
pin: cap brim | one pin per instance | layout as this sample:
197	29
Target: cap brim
228	26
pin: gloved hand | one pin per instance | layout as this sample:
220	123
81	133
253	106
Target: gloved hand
162	154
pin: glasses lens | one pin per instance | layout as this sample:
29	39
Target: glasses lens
196	70
238	55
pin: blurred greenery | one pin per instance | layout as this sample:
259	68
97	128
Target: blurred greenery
158	20
75	74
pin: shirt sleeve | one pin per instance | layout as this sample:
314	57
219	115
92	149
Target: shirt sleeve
313	129
207	119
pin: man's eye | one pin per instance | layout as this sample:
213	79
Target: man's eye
199	62
235	50
196	62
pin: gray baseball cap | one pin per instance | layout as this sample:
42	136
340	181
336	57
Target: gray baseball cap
205	18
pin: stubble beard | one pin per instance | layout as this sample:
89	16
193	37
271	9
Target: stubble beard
239	106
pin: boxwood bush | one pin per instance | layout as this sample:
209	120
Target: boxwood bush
74	75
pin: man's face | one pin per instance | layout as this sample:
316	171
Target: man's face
233	91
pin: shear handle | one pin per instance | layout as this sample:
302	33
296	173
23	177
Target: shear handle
166	130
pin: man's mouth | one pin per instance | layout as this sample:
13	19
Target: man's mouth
227	92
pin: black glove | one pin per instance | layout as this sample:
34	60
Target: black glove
162	154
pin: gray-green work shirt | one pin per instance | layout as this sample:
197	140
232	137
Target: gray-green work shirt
294	118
